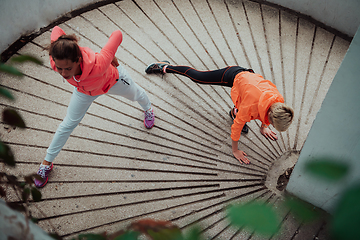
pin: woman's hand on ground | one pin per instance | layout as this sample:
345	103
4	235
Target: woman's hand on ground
240	155
268	133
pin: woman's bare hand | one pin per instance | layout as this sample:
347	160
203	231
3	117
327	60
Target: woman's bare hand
115	62
268	133
240	155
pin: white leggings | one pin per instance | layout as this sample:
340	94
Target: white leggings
81	102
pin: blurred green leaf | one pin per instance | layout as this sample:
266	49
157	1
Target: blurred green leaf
91	236
2	147
13	118
16	206
262	218
34	220
36	194
304	211
36	176
12	179
7	156
55	236
6	94
26	58
2	192
345	224
165	234
193	234
29	179
130	235
25	194
10	70
327	169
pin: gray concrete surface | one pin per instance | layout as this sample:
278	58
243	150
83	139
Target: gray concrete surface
24	17
14	225
113	171
334	136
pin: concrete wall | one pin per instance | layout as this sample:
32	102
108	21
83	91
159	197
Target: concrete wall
335	133
18	17
342	15
13	225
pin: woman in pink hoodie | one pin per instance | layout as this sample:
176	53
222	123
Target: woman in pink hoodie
252	95
92	74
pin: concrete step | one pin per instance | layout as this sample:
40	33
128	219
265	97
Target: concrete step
113	171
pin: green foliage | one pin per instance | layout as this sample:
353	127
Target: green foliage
7	94
304	211
10	70
154	230
129	235
36	194
346	220
258	216
26	58
10	116
194	234
91	236
55	236
25	194
13	118
344	224
34	220
7	156
6	68
327	169
166	234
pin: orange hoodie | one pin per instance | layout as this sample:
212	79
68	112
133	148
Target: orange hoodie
98	75
252	95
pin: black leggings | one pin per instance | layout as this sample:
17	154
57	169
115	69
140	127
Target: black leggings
222	77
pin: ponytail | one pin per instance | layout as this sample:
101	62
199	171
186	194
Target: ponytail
65	47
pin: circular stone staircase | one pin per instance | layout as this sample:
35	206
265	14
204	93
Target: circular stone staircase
113	171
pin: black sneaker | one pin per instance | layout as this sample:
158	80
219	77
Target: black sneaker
157	67
232	114
245	129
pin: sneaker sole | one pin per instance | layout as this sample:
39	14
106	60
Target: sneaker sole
152	64
231	116
147	126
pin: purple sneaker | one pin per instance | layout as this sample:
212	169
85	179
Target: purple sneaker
149	119
43	172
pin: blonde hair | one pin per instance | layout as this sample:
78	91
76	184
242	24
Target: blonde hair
281	116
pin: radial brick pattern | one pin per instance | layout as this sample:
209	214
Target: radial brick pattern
113	171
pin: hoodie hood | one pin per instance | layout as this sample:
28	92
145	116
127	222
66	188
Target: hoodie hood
88	62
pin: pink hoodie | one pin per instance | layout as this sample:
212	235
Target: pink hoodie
98	75
252	95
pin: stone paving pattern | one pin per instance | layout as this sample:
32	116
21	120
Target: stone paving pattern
113	171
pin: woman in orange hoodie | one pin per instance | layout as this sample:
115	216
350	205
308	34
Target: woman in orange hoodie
92	74
252	95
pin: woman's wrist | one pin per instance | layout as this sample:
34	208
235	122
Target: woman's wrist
234	145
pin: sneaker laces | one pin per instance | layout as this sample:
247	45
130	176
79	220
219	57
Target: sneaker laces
42	171
149	115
